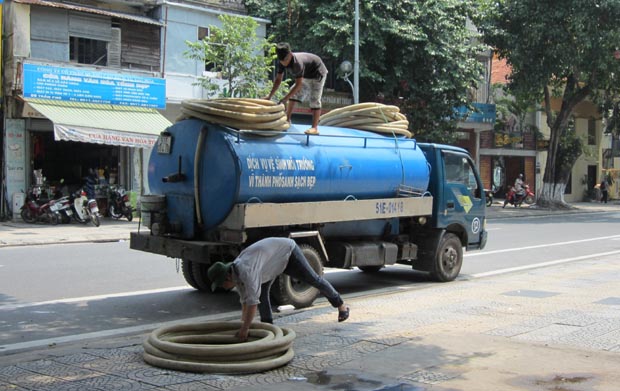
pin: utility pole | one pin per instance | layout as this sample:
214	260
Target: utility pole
356	61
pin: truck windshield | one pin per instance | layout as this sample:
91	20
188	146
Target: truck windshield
459	170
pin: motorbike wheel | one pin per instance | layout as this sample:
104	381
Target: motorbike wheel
95	220
505	203
129	215
52	218
115	214
64	218
529	200
27	215
489	201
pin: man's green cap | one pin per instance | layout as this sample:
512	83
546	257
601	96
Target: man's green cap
217	274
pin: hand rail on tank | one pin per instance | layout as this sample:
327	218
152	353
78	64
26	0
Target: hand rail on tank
409	191
264	133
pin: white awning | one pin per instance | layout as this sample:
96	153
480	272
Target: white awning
100	123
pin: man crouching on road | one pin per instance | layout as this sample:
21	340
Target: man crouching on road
255	269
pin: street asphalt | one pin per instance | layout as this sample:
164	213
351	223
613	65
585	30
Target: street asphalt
555	328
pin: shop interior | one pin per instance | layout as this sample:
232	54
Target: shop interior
61	167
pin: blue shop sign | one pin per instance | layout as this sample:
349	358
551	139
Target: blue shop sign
482	113
79	85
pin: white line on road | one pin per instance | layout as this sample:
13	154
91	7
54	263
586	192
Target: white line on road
542	264
108	333
507	250
9	307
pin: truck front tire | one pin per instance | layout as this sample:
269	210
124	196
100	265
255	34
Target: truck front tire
448	258
287	290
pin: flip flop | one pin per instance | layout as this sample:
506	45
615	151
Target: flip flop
343	315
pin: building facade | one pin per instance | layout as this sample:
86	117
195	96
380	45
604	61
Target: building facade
90	84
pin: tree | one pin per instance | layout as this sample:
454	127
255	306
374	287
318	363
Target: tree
235	53
558	51
418	54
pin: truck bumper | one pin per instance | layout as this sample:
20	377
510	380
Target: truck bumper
483	239
197	251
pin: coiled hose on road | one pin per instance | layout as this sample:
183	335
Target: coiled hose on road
371	116
239	113
212	347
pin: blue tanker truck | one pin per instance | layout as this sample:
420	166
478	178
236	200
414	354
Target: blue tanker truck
350	198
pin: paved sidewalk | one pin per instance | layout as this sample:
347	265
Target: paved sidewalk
550	329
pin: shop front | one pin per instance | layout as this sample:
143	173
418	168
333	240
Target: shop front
56	143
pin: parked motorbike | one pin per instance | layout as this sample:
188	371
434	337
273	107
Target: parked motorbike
40	210
517	198
489	193
85	209
64	209
119	204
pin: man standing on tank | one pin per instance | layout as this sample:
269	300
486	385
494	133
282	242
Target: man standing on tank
309	73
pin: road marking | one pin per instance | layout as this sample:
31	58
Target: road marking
10	307
542	264
507	250
109	333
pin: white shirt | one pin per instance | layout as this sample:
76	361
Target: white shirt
261	262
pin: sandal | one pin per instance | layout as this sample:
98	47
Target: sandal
343	315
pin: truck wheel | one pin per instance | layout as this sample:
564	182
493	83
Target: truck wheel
448	259
287	290
186	268
370	269
199	272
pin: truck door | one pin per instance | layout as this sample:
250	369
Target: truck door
463	194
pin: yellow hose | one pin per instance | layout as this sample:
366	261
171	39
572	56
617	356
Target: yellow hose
212	347
239	113
375	117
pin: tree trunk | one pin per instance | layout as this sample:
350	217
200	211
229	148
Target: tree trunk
552	196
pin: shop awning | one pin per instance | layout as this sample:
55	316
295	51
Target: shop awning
101	123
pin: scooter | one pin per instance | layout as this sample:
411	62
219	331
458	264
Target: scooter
64	209
85	209
119	204
34	211
517	198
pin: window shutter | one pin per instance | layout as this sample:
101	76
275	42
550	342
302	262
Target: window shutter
114	48
89	26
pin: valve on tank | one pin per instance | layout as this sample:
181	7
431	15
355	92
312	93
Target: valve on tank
176	177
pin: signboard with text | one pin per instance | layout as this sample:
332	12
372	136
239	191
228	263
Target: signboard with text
85	86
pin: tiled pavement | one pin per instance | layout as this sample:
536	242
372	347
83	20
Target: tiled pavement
555	328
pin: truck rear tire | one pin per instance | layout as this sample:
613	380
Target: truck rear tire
287	290
448	259
186	268
199	272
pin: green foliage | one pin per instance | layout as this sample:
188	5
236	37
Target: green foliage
417	54
508	106
235	52
557	50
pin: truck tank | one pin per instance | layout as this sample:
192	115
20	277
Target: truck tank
239	167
